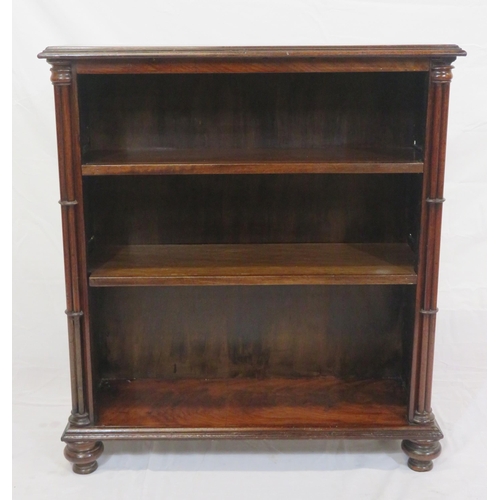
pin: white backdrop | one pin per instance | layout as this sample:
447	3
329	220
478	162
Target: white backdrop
244	470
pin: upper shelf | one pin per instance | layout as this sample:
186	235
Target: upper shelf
330	160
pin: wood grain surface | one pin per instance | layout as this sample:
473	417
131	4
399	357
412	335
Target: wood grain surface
348	331
251	209
255	51
247	403
277	161
372	116
271	264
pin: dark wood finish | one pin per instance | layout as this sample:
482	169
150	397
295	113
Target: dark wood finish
252	403
122	60
278	161
425	323
243	53
236	209
256	331
421	453
83	455
278	65
278	264
429	431
379	117
74	243
346	151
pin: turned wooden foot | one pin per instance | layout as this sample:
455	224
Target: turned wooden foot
421	454
84	455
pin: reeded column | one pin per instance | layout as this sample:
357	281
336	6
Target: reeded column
70	188
420	410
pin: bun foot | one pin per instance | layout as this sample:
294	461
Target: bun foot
83	455
421	454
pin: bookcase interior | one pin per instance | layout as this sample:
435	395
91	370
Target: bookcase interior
188	350
350	345
253	209
223	115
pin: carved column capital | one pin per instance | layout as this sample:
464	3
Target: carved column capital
60	73
441	71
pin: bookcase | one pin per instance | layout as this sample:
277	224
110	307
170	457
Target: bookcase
251	242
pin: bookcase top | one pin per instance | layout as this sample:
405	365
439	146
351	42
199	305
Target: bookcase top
322	52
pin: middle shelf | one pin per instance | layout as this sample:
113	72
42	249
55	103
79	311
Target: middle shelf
254	264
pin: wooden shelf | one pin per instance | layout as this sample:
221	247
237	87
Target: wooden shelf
175	161
266	264
319	402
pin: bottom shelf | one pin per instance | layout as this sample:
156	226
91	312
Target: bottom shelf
244	403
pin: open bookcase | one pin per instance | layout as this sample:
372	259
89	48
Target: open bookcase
251	242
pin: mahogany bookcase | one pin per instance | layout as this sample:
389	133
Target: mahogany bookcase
251	242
